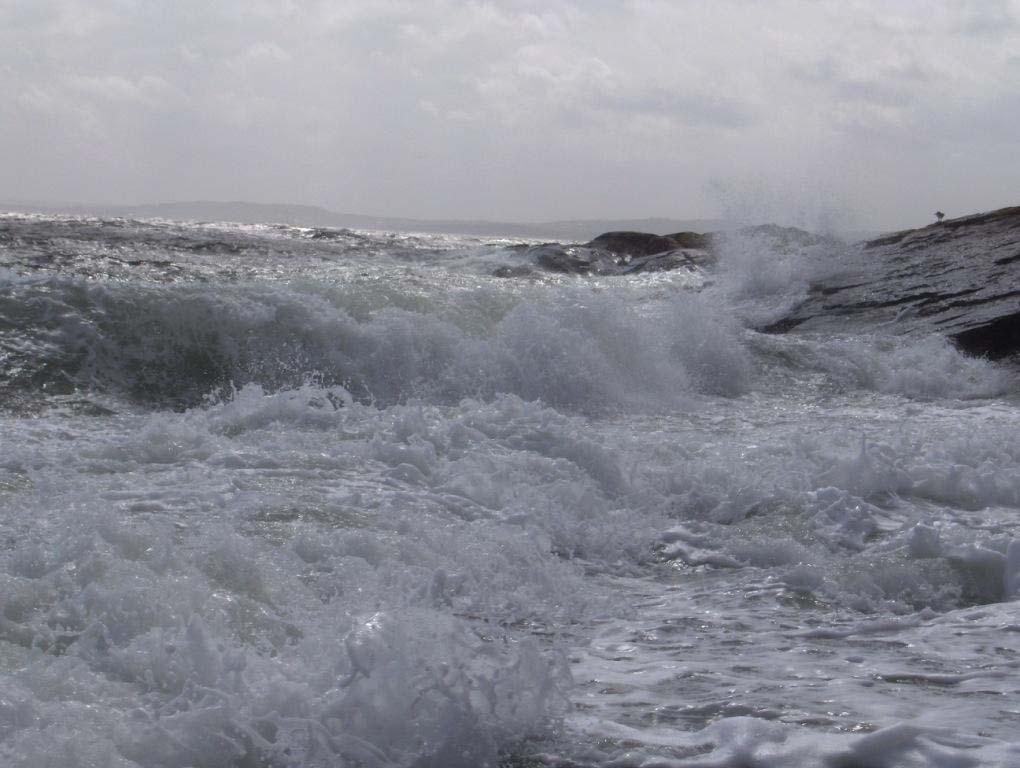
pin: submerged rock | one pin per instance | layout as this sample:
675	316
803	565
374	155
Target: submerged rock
960	277
573	259
619	253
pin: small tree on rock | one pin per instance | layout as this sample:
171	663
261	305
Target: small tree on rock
939	215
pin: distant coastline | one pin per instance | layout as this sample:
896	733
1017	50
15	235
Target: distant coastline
578	230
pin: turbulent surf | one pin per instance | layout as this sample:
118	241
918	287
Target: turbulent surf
277	496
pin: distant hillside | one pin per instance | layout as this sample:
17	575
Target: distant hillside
314	216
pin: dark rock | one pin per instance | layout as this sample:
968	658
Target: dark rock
996	340
659	262
325	233
633	243
585	260
574	259
636	244
694	240
618	253
558	258
960	277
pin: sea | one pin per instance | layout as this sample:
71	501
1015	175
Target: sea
283	497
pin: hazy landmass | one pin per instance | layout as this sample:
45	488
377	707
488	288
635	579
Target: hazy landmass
314	216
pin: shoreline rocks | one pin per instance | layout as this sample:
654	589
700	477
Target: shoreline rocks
960	277
619	253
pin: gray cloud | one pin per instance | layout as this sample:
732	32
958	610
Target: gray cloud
512	109
988	18
699	109
829	77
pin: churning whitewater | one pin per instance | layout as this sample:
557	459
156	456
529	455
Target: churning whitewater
276	497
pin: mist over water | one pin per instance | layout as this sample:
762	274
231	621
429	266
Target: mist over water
276	496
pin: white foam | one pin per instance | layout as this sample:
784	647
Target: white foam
925	368
430	521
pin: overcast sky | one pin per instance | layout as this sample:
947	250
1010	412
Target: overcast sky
870	114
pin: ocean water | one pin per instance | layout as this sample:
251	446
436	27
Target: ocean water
279	497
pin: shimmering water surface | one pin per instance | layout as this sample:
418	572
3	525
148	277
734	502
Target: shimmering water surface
273	496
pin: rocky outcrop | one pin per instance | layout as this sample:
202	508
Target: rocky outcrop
573	259
960	277
619	253
635	244
626	253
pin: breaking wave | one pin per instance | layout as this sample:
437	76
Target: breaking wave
171	345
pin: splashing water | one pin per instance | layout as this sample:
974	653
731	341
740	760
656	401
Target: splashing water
284	497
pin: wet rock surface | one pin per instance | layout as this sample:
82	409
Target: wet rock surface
960	277
620	253
643	244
